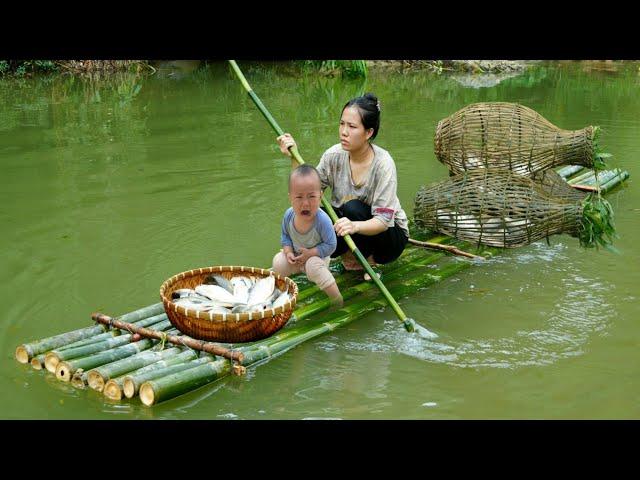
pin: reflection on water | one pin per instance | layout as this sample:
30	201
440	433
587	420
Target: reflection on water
579	310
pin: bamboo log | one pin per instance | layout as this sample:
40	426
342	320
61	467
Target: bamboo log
97	377
208	347
569	170
132	383
446	248
160	389
37	362
614	182
129	382
25	352
52	358
66	369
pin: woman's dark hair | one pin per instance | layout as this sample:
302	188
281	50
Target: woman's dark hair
369	109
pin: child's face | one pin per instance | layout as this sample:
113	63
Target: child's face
305	195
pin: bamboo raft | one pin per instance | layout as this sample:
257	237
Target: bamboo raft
140	354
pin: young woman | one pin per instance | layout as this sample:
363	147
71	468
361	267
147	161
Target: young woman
363	181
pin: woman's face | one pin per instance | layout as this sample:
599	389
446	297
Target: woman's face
353	135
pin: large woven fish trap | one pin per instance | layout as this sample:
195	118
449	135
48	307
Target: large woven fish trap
512	137
502	209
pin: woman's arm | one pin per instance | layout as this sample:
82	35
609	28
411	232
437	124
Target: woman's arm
373	226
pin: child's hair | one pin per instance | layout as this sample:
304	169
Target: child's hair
302	171
368	107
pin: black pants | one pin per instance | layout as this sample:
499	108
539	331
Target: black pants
385	246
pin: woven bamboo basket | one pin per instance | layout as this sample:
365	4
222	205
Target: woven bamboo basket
497	208
226	327
510	136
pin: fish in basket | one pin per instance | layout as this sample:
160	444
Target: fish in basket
229	303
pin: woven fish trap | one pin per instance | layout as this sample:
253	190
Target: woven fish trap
497	208
227	327
510	136
557	186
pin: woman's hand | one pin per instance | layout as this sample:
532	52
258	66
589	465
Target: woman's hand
285	141
344	226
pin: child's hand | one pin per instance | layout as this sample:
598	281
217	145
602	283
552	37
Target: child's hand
291	258
305	254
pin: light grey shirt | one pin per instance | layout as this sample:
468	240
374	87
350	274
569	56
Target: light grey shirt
378	189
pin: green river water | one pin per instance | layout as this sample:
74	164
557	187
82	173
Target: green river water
111	186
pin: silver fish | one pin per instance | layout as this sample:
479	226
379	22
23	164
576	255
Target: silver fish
219	280
281	300
217	294
241	292
182	292
262	290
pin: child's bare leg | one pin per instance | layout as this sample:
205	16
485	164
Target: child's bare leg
350	262
333	292
317	270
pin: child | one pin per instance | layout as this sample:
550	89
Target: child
308	238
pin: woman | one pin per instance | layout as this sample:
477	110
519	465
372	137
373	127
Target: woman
363	181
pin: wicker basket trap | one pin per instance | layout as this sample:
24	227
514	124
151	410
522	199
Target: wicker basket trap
509	136
226	327
497	208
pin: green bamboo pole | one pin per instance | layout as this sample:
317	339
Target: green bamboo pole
161	389
66	369
53	357
37	362
580	177
409	324
569	170
614	182
97	377
25	352
132	383
114	388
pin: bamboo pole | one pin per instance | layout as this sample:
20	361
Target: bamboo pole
97	377
446	248
160	389
66	369
208	347
114	388
25	352
409	323
132	383
53	357
569	170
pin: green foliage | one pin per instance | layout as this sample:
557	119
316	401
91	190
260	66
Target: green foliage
596	225
21	68
347	68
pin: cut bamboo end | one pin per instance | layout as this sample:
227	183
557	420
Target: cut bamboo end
51	361
35	363
64	372
112	390
129	388
78	382
147	395
95	381
22	355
